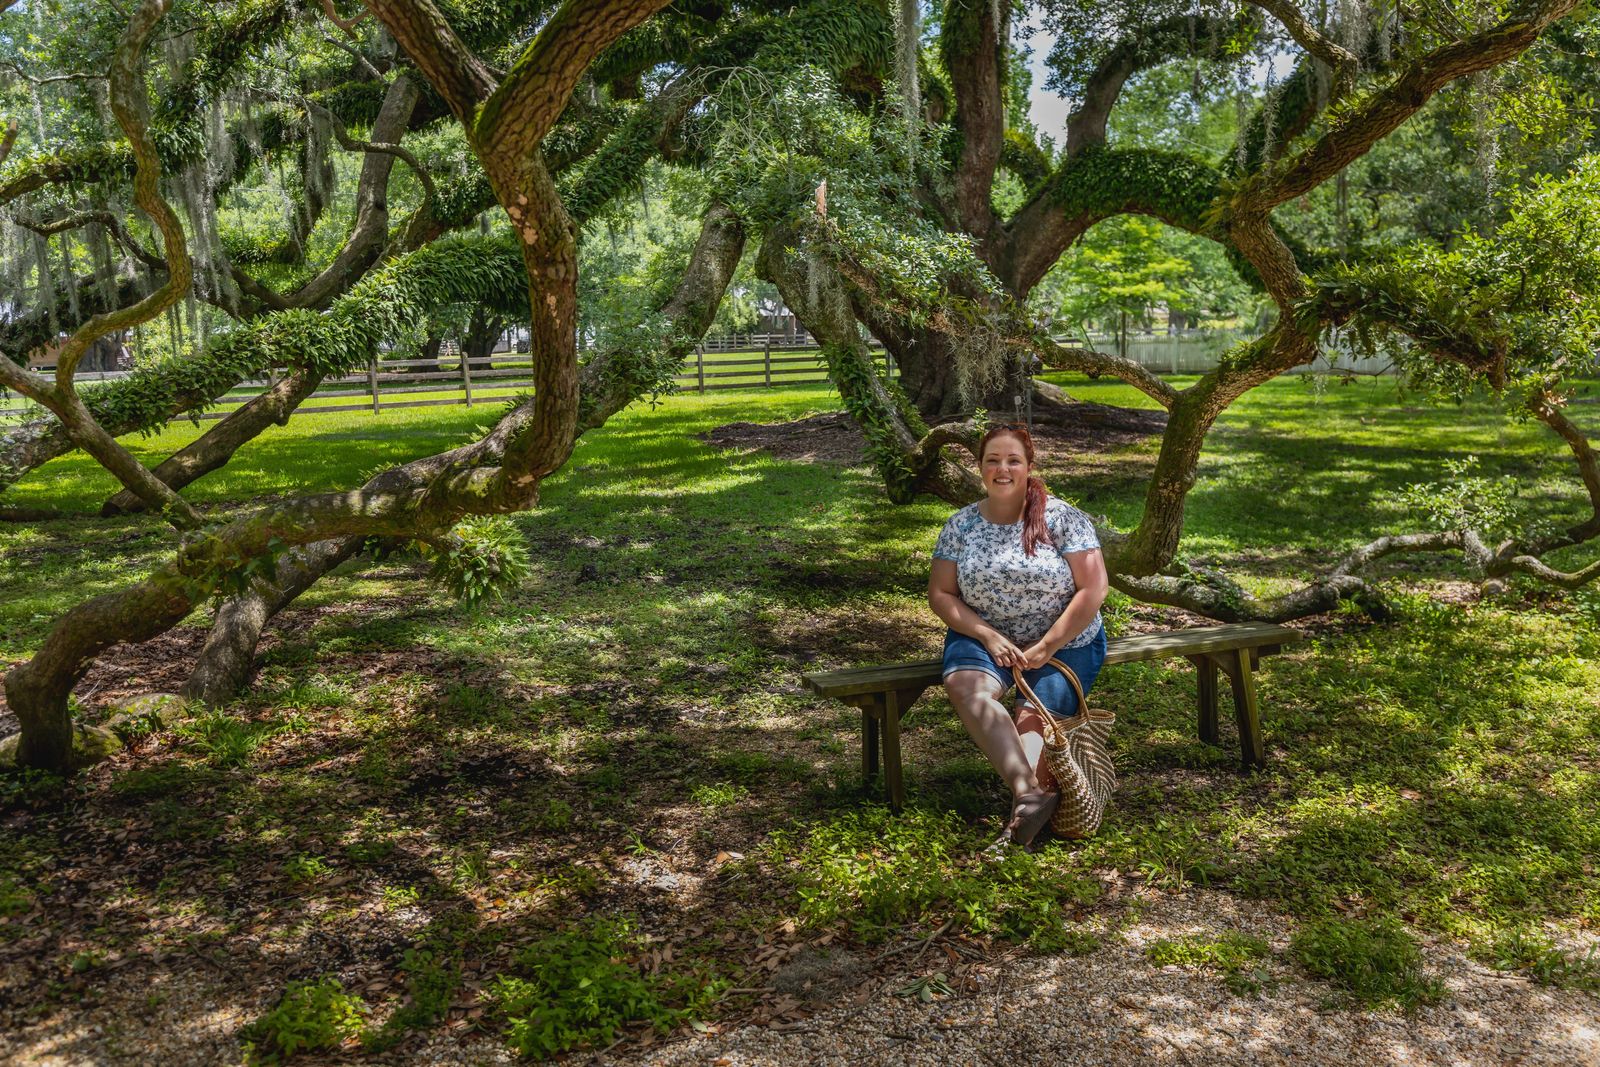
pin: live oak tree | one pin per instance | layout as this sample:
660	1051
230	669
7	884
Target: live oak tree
916	253
857	168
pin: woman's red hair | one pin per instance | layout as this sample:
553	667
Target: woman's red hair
1034	529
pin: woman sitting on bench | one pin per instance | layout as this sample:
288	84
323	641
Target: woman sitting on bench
1018	578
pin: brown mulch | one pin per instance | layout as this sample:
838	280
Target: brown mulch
1060	431
827	438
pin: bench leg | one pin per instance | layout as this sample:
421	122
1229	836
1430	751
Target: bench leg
891	751
1243	681
869	746
1206	674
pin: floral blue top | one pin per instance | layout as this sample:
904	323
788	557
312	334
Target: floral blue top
1021	596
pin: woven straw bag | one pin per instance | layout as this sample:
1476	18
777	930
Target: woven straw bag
1076	752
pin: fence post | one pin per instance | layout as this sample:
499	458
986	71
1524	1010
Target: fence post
700	366
466	375
766	356
1175	339
372	379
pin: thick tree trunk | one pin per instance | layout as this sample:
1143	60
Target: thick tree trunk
815	292
37	690
482	333
931	375
224	664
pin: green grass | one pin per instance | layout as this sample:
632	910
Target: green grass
407	774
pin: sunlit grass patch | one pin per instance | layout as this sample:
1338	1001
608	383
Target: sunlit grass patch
876	872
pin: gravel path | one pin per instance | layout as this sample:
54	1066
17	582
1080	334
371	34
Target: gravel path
1115	1007
1112	1007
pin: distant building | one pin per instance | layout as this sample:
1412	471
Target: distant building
108	353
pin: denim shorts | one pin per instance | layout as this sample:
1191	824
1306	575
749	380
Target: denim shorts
963	653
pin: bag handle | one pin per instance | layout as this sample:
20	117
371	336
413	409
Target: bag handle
1051	724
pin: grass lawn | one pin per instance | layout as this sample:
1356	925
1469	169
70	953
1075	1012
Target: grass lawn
422	816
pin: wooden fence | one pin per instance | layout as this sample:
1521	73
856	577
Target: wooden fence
411	382
744	361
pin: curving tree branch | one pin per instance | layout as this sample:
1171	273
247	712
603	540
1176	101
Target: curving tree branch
1344	64
1354	134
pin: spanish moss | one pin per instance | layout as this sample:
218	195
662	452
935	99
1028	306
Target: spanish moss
908	48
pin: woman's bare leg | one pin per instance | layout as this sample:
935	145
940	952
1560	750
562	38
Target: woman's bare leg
976	696
1030	729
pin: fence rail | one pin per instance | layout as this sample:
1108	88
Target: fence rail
745	361
392	383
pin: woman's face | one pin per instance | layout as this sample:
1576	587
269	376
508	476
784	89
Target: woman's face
1005	467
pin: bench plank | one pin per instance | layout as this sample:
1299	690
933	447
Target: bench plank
1264	637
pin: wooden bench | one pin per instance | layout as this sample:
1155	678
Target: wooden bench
885	693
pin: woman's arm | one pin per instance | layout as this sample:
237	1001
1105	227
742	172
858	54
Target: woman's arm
1089	575
944	597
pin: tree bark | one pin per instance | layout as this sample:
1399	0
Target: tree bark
812	288
216	447
224	664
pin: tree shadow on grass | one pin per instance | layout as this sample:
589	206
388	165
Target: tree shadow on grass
596	744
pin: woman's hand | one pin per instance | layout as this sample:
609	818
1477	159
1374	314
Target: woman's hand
1036	656
1001	649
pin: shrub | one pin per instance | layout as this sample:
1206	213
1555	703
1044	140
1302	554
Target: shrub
312	1016
1375	961
576	987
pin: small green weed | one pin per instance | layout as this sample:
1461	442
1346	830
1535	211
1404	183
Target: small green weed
722	795
85	960
1375	961
469	869
1238	957
226	740
556	816
312	1016
575	988
303	867
400	896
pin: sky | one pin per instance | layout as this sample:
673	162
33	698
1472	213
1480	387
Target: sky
1049	110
